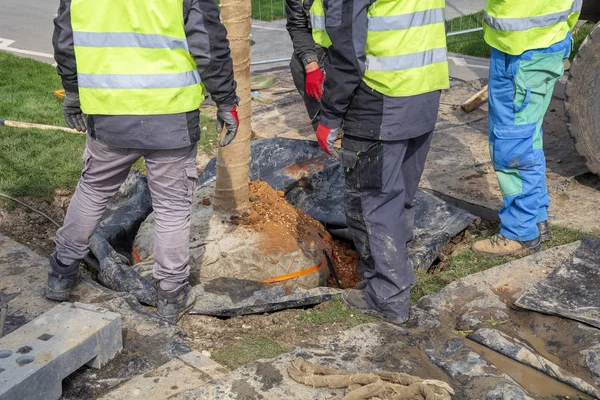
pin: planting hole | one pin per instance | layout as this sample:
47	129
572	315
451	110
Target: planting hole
45	337
5	353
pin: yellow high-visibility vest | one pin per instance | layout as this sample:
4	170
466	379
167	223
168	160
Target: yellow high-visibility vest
515	26
133	58
317	20
406	47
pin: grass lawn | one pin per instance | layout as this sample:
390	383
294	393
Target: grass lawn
472	44
267	10
35	162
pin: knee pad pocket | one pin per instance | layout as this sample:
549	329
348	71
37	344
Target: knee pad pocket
513	147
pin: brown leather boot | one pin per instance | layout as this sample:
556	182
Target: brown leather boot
499	246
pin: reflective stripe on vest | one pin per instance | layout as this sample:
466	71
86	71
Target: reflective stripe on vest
119	39
145	81
406	61
406	21
317	21
522	24
133	58
517	27
406	48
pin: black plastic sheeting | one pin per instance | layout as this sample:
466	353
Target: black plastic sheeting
229	297
112	243
314	183
570	291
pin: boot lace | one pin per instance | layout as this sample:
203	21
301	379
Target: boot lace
498	240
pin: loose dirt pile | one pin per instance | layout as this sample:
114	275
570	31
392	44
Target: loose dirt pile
283	225
286	227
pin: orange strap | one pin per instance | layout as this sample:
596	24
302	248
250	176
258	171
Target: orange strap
293	274
136	256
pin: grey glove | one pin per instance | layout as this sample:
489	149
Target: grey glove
73	114
228	118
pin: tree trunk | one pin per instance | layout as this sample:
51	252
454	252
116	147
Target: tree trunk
231	192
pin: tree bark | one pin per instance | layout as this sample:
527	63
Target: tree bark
231	191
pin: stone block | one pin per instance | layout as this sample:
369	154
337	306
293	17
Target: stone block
35	358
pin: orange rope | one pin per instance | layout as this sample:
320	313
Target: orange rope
293	274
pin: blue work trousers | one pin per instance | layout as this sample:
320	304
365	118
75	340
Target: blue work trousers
520	89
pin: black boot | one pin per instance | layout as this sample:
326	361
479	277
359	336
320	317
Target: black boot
355	299
61	279
545	234
172	304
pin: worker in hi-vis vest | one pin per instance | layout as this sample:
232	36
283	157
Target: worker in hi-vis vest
530	42
306	25
385	70
134	73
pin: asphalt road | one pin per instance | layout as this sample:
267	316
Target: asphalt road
27	27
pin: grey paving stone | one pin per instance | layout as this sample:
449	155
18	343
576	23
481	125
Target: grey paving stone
35	358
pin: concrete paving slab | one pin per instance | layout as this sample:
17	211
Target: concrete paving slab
35	358
178	375
148	341
432	345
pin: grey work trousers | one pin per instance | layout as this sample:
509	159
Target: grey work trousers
382	179
172	177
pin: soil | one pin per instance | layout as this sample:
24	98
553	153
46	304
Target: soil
282	224
209	334
463	241
30	228
345	263
286	227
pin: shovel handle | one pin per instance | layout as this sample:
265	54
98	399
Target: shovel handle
28	125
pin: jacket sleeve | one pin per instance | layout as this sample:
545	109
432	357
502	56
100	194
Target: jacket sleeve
208	44
346	23
64	52
300	32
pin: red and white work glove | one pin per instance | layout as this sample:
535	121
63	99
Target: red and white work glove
326	137
228	117
314	82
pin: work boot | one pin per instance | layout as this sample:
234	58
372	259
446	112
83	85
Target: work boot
545	234
355	299
61	279
172	304
499	246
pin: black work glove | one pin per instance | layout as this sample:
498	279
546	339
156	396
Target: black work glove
73	114
228	117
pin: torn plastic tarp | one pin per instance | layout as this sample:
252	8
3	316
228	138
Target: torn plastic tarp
314	183
570	291
112	242
229	297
